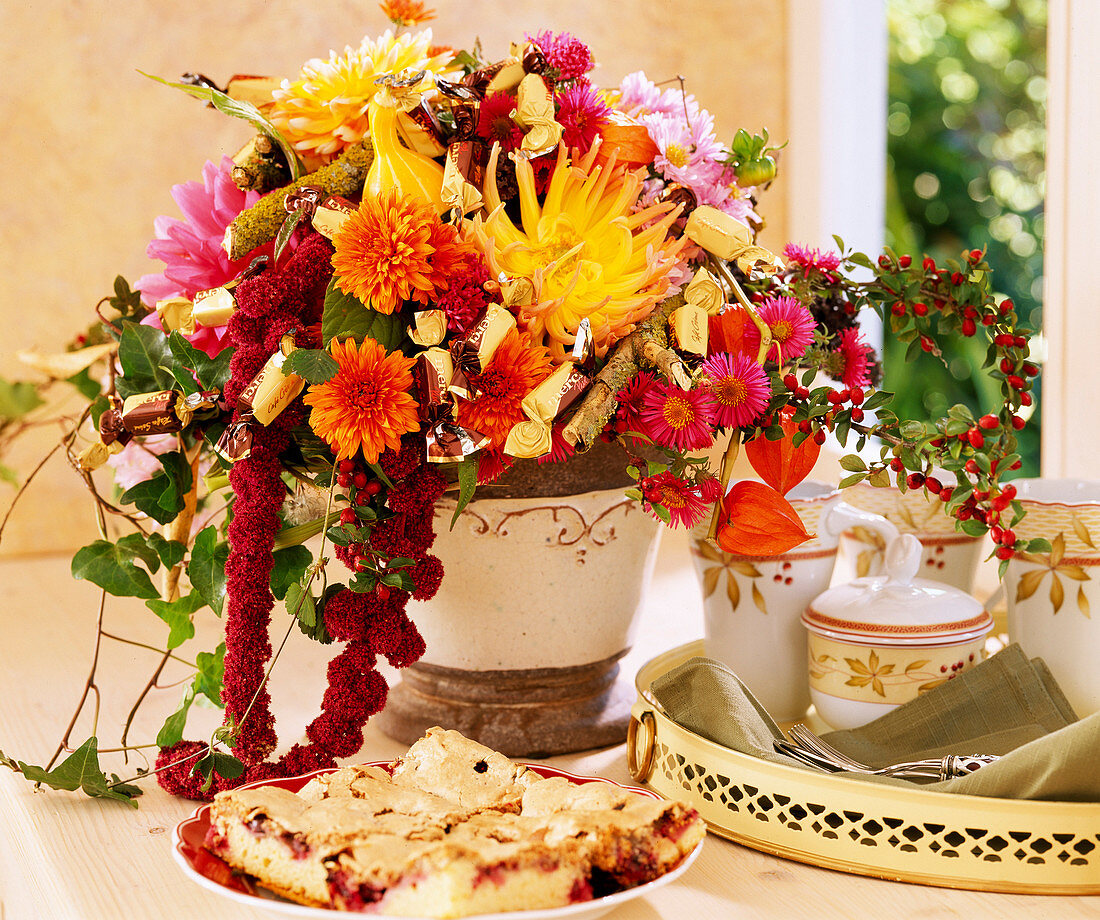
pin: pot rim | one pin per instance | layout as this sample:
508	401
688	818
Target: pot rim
932	635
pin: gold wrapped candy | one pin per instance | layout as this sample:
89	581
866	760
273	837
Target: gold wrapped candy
473	351
704	291
688	325
213	307
331	213
271	390
528	440
727	239
430	327
535	115
176	314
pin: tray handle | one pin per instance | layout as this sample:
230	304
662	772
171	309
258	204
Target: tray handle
641	767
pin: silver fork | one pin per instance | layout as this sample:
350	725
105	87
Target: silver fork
808	748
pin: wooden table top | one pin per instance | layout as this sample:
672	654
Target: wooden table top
65	856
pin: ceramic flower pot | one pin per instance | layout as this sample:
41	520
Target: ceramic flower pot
948	555
539	602
752	604
1054	598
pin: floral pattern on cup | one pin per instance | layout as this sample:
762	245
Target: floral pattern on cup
1058	567
732	566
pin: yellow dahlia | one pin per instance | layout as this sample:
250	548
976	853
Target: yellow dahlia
366	406
324	111
586	251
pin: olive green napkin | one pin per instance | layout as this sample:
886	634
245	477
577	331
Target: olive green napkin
1008	705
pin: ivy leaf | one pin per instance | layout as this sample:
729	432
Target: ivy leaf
211	673
314	365
345	315
127	302
18	398
290	565
207	567
171	732
170	552
177	614
163	496
112	568
136	546
80	770
212	373
144	355
239	109
467	483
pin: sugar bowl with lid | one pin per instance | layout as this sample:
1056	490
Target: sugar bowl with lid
880	641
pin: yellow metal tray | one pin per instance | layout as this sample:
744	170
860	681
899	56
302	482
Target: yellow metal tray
906	835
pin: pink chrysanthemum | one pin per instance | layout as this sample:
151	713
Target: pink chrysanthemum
638	95
791	324
581	112
191	249
680	419
571	57
739	388
682	500
631	399
857	358
810	259
495	123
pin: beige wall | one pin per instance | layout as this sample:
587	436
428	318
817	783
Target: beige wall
92	147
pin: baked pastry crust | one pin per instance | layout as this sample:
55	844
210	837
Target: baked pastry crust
452	829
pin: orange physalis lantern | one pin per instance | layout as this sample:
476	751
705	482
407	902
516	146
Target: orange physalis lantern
779	463
757	521
627	139
726	332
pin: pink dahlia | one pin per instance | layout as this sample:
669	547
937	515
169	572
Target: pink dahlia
581	112
856	354
680	419
571	57
739	388
683	502
191	249
791	324
495	123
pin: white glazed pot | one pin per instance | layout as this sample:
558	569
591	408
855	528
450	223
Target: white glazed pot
1054	598
752	604
539	600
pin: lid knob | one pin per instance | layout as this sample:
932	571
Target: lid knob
902	559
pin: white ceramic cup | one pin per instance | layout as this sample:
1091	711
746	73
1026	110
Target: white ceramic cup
1054	598
753	604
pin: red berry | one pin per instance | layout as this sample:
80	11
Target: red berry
975	255
896	465
790	381
802	393
372	488
964	513
1025	399
1030	370
360	479
989	421
926	343
929	264
819	437
1016	465
347	516
1002	339
1004	552
995	532
898	309
343	480
834	397
972	467
382	591
362	564
1016	382
992	517
1018	423
855	394
805	427
957	278
346	466
981	496
933	486
883	261
921	309
362	498
1008	537
857	414
969	327
1019	341
1009	491
976	438
914	480
1007	366
989	319
905	261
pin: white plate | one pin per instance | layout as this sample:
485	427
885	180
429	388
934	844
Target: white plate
214	874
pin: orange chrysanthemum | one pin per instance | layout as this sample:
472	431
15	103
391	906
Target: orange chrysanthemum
406	12
366	406
516	368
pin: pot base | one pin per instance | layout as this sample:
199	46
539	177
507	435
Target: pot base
528	713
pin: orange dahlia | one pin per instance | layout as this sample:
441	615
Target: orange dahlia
406	12
517	367
366	406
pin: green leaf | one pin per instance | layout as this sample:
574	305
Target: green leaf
163	496
80	770
207	567
286	231
144	355
171	732
170	552
177	614
876	399
973	528
300	604
127	302
1039	545
18	398
880	479
290	565
112	568
240	109
135	545
227	766
313	365
851	480
345	315
212	373
467	483
852	463
663	513
211	672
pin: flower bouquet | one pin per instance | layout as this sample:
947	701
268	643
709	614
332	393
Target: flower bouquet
425	268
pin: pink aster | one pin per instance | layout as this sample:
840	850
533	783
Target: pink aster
571	57
739	388
857	358
687	154
560	449
192	248
810	259
495	123
680	419
682	500
792	326
581	112
631	399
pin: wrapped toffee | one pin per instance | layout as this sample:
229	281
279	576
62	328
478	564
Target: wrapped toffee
429	327
529	440
446	441
535	115
213	307
459	194
472	352
176	313
271	390
330	214
688	325
236	441
704	291
722	236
